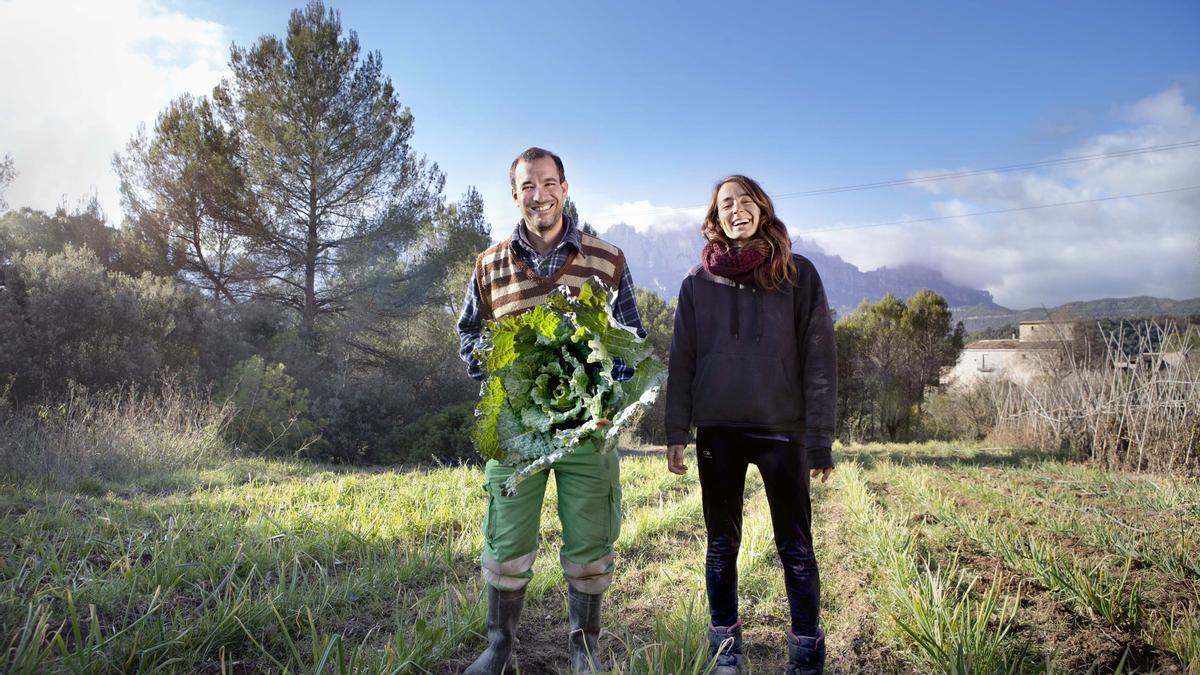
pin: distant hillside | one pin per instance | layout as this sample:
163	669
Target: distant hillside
981	316
659	261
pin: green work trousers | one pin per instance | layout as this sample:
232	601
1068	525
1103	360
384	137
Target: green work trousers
589	508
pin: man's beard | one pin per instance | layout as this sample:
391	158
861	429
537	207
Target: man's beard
541	225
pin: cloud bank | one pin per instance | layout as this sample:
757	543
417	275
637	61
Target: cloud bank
78	78
1141	246
644	216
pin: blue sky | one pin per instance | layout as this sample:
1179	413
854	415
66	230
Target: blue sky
650	103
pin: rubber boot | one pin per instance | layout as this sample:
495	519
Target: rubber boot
806	655
725	643
504	611
583	611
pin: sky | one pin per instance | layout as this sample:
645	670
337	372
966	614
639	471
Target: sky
650	103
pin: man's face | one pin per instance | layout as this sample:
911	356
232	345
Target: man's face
539	194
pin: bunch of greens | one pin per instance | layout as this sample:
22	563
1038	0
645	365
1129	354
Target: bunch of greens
550	381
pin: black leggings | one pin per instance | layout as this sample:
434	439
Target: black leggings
723	456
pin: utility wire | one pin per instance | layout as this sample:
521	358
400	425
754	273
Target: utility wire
931	219
979	172
1182	145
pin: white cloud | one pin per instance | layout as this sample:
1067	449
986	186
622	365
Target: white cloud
1141	246
79	76
645	216
1166	108
597	210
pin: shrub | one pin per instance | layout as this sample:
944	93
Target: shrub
443	437
960	413
359	418
651	428
271	412
65	319
383	375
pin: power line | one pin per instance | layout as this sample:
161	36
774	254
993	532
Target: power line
998	169
930	219
898	182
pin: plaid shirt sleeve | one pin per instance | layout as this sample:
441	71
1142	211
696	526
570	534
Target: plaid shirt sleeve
626	312
470	326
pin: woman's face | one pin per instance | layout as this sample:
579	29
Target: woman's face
737	212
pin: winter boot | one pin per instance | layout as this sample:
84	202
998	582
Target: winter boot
504	611
725	643
583	611
806	655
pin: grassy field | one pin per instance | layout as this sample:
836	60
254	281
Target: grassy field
934	558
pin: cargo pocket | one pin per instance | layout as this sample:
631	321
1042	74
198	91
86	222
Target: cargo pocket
614	511
489	515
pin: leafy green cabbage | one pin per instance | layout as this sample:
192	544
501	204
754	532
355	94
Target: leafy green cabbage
549	380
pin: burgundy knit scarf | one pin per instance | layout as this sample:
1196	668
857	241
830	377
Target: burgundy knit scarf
735	265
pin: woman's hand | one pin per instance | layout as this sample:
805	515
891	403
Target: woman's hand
823	473
675	459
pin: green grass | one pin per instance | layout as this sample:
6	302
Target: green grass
938	617
1080	554
251	565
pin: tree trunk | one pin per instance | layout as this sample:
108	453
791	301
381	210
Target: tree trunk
311	251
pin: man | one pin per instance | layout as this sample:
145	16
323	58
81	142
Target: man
545	251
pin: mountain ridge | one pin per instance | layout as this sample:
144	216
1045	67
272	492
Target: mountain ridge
1137	306
660	260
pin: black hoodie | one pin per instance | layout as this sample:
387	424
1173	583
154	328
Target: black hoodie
746	358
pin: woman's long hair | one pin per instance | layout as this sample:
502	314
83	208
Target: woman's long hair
771	238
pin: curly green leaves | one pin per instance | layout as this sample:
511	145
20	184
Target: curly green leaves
550	380
487	419
512	337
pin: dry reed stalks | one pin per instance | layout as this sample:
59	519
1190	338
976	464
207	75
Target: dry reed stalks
111	435
1136	412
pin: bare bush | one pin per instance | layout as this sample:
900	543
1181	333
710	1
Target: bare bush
963	412
111	436
1140	410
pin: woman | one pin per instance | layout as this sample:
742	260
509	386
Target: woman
753	368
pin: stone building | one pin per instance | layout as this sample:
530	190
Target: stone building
1020	359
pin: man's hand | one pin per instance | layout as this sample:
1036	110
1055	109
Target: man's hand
823	473
675	459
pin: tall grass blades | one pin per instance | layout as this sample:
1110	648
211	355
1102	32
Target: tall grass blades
31	644
951	628
1111	596
270	565
1114	597
112	435
679	645
1181	635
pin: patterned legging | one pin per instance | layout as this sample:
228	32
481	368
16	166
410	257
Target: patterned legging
723	456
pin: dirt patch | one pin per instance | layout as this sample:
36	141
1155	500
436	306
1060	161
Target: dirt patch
542	641
1074	642
852	644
